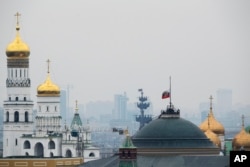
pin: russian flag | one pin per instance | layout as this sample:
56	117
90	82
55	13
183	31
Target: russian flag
165	94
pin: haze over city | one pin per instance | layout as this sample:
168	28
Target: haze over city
102	48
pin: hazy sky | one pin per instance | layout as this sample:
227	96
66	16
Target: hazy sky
106	47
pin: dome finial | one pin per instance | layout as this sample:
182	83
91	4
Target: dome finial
76	107
211	103
48	61
17	21
243	117
208	123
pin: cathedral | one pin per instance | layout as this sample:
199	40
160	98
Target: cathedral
41	134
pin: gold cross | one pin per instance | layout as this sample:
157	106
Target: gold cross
48	61
211	98
17	18
243	120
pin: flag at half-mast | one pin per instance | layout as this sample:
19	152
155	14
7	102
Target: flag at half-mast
165	94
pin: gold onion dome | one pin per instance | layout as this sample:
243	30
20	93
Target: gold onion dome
213	137
17	48
242	139
215	126
48	88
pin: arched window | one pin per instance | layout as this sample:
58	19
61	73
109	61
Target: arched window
16	98
24	99
7	116
91	154
68	153
16	142
26	116
51	145
26	145
51	154
9	98
16	116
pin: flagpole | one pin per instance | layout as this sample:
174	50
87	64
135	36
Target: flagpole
170	91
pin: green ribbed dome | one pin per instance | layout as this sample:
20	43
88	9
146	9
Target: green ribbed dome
171	133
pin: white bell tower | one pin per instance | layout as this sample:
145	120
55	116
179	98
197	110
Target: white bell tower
18	107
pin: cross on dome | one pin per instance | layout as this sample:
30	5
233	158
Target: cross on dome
76	109
48	61
211	104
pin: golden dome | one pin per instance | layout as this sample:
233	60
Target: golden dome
48	88
17	48
213	137
215	126
242	139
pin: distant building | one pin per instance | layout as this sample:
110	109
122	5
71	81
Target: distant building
120	106
224	100
63	104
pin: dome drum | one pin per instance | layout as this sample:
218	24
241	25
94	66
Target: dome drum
17	63
18	54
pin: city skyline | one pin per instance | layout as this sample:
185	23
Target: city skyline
106	48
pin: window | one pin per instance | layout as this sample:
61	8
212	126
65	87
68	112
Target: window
26	116
9	98
91	154
26	145
55	108
16	116
24	99
16	98
7	116
51	145
47	108
16	142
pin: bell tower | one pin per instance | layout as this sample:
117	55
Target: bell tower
18	107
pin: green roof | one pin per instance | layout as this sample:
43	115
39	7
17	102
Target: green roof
128	143
76	121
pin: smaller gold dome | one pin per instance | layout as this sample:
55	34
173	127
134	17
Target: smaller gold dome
48	88
17	48
215	126
213	137
242	139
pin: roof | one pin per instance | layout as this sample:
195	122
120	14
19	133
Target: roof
171	133
76	122
165	161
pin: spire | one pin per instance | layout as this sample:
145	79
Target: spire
17	21
76	109
48	61
211	104
242	118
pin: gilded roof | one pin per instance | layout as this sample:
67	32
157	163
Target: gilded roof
17	48
242	139
213	137
48	88
215	125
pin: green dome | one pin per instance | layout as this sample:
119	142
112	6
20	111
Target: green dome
171	133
